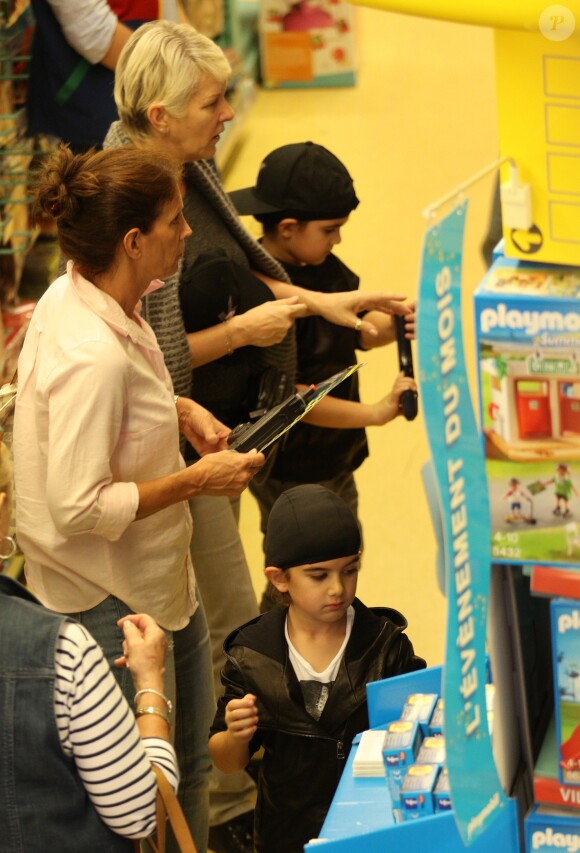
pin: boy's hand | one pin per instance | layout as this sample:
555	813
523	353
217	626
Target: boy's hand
387	409
383	328
242	718
410	320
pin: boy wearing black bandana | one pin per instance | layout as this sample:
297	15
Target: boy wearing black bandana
295	677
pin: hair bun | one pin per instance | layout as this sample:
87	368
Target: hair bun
62	185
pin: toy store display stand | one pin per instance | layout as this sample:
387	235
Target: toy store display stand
360	817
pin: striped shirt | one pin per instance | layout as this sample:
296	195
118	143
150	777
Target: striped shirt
97	728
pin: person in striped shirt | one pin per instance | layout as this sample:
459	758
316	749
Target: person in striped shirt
77	757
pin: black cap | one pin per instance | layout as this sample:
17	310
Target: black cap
303	181
310	524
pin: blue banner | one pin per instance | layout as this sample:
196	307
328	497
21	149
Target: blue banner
457	454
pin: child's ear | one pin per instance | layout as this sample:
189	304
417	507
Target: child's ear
277	577
287	227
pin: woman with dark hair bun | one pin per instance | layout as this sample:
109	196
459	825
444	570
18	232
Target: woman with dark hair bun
101	488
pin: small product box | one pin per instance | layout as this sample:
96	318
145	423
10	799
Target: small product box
565	620
419	706
402	741
307	43
548	828
432	751
417	791
435	726
441	792
527	327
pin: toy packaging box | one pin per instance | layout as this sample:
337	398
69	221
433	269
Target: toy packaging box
401	744
565	622
548	829
527	323
420	706
417	791
307	43
436	722
442	793
432	751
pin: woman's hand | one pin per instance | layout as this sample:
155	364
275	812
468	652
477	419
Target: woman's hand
226	472
222	473
267	324
340	308
242	718
201	429
144	650
387	409
343	308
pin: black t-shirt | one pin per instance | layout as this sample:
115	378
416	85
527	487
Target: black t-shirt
309	454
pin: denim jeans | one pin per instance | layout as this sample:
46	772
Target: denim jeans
189	685
227	591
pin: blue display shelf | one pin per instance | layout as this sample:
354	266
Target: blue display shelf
360	819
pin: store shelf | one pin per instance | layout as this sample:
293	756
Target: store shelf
16	152
556	580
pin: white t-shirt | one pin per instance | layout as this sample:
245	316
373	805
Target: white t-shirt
316	685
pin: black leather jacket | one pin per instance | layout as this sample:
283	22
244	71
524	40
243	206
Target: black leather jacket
304	758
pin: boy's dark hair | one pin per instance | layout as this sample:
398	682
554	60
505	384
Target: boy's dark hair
303	181
270	221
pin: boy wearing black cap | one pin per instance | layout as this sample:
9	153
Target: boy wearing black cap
303	197
295	677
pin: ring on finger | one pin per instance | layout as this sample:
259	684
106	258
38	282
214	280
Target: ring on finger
358	324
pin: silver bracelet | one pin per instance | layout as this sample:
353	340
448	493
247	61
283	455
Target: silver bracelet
151	710
157	693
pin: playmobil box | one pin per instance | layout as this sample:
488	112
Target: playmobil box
527	323
419	706
417	791
435	726
401	744
307	43
565	621
551	829
432	751
442	793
